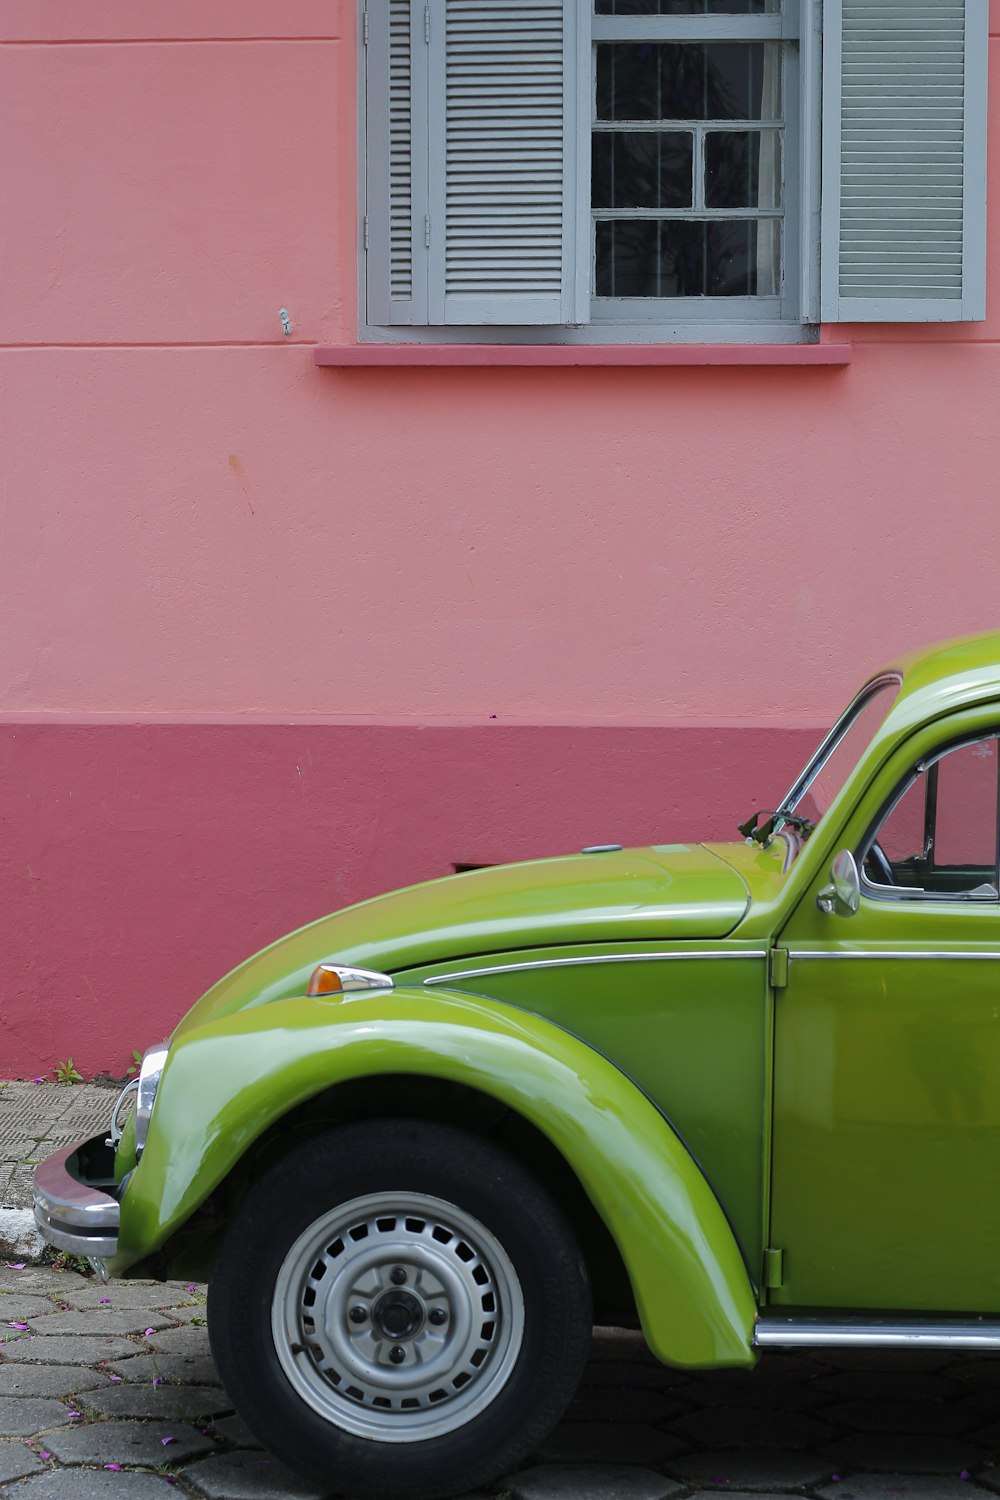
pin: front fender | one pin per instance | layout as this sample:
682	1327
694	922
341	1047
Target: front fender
227	1082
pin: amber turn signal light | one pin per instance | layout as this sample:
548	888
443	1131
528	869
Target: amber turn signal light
325	981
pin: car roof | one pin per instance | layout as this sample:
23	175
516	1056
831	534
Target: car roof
942	678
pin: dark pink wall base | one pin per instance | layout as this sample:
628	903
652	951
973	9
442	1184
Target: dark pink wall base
140	862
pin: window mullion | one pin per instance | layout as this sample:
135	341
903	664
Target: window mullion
698	167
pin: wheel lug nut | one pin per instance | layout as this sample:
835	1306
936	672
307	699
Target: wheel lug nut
397	1276
397	1355
359	1315
438	1316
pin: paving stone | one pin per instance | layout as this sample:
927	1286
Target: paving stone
775	1364
127	1443
74	1349
127	1294
48	1380
16	1460
983	1372
737	1495
177	1403
932	1418
748	1388
878	1385
906	1361
751	1427
911	1486
236	1431
597	1442
638	1374
196	1316
23	1416
590	1482
92	1484
42	1280
181	1341
20	1306
749	1470
903	1454
988	1437
248	1476
622	1405
193	1369
620	1343
99	1320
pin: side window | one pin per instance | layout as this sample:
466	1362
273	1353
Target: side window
939	838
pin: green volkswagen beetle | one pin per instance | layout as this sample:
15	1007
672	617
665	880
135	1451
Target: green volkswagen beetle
745	1094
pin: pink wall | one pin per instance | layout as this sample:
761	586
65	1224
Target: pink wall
196	522
144	861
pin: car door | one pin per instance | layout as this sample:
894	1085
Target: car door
886	1127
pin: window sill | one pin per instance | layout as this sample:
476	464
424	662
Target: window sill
582	354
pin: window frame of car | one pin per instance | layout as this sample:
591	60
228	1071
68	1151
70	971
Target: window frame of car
924	764
830	277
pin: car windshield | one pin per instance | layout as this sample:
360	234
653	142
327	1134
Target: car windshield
841	750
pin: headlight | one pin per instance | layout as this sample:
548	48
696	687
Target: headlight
149	1082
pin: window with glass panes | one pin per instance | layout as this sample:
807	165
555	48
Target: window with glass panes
649	170
687	150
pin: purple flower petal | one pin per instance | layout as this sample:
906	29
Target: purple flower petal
22	1326
965	1474
38	1080
191	1287
43	1454
71	1413
14	1265
104	1301
166	1440
117	1379
117	1468
157	1380
147	1333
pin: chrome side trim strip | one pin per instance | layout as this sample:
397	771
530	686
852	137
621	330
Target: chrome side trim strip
883	953
877	1333
602	958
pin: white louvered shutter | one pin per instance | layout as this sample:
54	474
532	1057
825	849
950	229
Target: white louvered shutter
478	162
396	110
904	160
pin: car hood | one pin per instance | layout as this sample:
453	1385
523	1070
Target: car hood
635	895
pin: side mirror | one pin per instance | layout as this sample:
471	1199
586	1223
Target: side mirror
842	897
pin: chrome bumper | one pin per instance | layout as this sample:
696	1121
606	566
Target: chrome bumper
74	1206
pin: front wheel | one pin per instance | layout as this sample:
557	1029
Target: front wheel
399	1309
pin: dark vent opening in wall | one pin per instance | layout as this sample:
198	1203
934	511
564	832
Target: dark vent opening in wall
462	867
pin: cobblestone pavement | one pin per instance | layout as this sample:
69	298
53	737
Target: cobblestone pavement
111	1391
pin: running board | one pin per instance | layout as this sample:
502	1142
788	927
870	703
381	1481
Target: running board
876	1333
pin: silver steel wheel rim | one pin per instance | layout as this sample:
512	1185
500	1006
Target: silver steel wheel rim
397	1317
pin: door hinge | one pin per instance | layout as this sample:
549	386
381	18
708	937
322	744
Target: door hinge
427	231
774	1268
427	24
365	222
777	968
364	28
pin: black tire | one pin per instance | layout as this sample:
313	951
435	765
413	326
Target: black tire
507	1377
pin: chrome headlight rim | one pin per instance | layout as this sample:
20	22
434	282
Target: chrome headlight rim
150	1072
